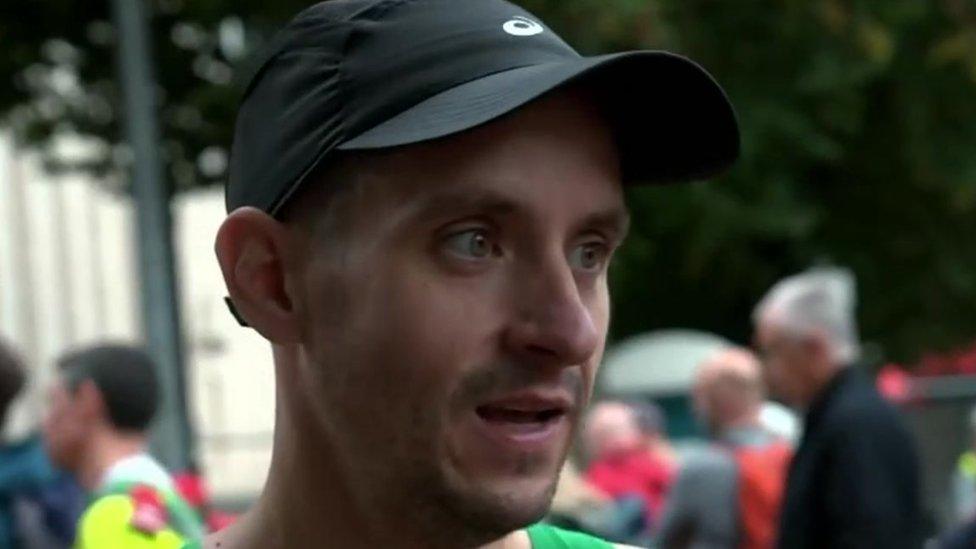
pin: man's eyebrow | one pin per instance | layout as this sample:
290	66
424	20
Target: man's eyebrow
615	221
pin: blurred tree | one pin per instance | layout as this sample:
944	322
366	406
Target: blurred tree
858	121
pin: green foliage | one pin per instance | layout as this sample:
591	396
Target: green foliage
858	123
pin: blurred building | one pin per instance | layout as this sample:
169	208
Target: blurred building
68	277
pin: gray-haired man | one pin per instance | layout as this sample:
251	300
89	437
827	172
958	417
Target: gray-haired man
854	481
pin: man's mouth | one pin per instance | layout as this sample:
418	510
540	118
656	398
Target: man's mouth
493	414
526	420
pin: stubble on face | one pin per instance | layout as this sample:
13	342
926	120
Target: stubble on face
397	348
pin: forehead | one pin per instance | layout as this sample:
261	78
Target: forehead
558	152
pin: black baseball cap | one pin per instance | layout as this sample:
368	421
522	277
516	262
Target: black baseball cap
354	75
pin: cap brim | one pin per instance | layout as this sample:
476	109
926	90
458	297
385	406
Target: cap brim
672	121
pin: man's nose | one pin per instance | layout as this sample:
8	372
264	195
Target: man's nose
553	323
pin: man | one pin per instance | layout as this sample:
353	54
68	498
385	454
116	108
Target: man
622	466
854	481
424	196
728	495
100	409
38	505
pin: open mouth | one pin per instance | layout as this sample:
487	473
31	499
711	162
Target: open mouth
494	414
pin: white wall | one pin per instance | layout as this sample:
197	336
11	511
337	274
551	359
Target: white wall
68	277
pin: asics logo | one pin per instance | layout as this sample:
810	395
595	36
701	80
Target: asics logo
522	26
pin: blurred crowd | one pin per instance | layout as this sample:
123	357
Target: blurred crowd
840	471
848	478
84	478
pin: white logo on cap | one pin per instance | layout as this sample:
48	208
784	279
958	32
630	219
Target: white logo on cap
522	26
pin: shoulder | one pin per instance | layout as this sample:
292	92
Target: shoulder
108	509
119	519
105	521
862	419
859	405
707	462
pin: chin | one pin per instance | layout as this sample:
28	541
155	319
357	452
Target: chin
491	509
515	503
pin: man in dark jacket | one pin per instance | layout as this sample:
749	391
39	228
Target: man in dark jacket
854	481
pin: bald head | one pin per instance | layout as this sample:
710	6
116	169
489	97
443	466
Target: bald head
611	427
728	389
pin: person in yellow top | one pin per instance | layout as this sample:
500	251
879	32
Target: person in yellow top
100	407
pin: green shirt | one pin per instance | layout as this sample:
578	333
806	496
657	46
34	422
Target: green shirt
542	536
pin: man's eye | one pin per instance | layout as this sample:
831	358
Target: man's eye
471	244
589	257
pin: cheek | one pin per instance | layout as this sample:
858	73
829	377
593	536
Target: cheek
599	310
60	432
437	330
406	339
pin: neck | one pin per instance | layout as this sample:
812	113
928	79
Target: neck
820	377
748	420
106	448
308	500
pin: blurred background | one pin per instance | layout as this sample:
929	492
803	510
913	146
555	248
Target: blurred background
858	120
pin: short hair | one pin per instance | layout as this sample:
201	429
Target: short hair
315	205
126	378
822	300
12	378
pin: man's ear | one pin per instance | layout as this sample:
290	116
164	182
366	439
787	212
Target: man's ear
252	248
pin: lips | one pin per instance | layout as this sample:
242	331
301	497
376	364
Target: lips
526	420
525	407
507	415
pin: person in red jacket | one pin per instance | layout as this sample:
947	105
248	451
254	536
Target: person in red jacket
622	467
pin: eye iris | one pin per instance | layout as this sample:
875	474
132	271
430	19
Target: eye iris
590	259
479	245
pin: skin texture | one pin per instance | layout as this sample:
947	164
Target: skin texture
459	272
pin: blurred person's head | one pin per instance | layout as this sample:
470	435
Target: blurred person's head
728	390
806	331
434	285
12	379
611	428
650	419
100	407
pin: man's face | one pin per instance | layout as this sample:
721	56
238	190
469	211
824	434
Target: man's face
65	429
452	335
785	361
